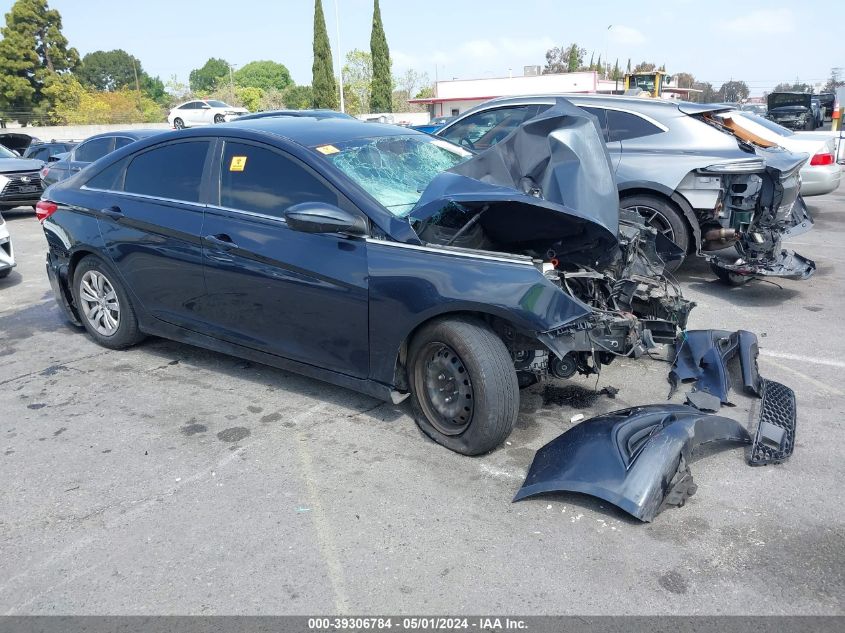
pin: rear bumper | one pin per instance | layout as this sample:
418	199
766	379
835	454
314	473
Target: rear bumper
817	181
57	274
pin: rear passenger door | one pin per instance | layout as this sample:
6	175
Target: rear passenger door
153	224
302	296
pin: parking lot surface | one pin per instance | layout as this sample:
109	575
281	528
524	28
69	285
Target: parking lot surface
168	479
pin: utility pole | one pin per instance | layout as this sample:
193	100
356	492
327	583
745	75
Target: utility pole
339	64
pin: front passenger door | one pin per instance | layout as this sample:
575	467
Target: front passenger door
482	130
302	296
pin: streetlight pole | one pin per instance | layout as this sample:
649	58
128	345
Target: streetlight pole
339	66
231	83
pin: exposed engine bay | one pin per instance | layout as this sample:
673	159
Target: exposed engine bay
758	205
547	193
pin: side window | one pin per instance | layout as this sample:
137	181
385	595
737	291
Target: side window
93	150
484	129
122	141
264	181
111	178
170	171
624	125
601	115
188	106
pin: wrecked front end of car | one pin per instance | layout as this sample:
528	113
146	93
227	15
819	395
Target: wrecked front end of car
546	192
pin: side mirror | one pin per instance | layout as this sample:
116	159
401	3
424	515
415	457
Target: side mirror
320	217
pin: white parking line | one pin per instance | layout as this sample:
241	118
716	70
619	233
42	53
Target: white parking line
804	359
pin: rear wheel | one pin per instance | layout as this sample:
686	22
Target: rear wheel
464	385
664	216
218	118
103	305
178	124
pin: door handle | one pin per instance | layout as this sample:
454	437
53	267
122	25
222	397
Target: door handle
221	240
112	212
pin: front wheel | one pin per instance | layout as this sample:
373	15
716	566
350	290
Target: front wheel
664	216
103	305
464	385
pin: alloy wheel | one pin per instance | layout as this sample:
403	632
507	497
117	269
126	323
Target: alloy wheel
655	219
99	302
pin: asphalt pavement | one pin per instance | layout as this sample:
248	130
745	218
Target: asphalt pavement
167	479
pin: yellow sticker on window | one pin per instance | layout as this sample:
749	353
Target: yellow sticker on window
238	163
327	149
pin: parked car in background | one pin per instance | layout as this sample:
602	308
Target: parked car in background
370	256
693	180
432	126
17	142
755	108
7	253
820	173
48	152
314	114
20	182
90	150
203	112
793	110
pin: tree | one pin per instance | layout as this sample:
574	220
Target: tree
835	80
264	75
32	50
205	79
322	72
109	70
575	58
599	67
628	68
592	65
357	81
733	92
643	67
795	86
153	87
299	97
707	94
407	84
617	73
381	89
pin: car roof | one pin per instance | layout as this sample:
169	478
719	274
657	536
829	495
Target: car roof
310	131
133	134
583	97
317	114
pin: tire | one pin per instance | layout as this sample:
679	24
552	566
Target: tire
5	273
93	279
810	125
466	355
219	118
666	217
179	124
730	278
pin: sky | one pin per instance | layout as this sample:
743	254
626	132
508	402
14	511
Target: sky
762	42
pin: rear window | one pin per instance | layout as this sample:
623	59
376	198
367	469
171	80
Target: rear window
172	171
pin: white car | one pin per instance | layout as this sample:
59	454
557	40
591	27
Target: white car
820	174
7	254
203	112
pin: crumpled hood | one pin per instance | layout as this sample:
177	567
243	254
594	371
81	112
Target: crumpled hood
551	178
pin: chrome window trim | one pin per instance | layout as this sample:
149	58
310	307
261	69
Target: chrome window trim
645	117
143	196
513	259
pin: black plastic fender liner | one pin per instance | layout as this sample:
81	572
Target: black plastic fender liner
635	458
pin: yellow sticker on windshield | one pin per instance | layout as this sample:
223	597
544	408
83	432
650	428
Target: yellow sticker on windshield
327	149
238	163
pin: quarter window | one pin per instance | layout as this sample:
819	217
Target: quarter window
93	150
258	179
624	125
171	171
122	141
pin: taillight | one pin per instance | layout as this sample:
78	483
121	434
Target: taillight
43	172
44	209
822	159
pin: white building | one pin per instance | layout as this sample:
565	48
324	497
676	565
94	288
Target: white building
459	95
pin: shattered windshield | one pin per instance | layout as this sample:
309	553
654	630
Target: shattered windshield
394	170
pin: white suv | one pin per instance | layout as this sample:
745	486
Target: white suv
200	112
7	255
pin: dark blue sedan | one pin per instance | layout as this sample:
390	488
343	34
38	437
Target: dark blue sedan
310	245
